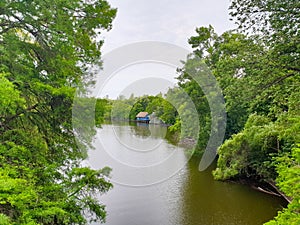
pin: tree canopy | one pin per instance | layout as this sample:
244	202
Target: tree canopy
46	48
257	67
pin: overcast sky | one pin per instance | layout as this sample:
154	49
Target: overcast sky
172	21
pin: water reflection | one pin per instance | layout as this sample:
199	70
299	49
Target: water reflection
136	161
141	130
206	201
145	130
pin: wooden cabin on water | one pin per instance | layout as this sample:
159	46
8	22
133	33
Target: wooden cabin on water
143	117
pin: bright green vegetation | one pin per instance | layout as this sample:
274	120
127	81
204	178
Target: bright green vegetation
288	168
46	47
257	67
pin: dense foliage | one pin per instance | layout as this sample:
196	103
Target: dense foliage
46	47
289	181
257	67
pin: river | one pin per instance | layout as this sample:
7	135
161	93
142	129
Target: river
156	183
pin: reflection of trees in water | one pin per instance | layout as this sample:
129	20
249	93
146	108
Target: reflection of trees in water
141	130
145	130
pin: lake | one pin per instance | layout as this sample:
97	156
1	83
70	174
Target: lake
157	183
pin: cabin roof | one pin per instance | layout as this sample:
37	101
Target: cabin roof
142	114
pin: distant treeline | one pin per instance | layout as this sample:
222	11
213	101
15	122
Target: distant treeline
127	108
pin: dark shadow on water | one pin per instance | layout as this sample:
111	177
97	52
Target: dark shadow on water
210	202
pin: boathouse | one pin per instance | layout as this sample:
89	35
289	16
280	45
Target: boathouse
143	117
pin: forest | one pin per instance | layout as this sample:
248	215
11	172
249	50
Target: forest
46	49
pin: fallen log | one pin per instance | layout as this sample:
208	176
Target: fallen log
268	192
288	199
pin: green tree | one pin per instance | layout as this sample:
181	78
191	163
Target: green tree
268	64
120	110
139	105
257	67
288	181
46	48
101	109
271	79
248	153
277	24
155	105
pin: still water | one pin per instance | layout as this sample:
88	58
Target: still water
156	183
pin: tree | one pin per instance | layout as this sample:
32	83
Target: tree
46	47
249	153
288	181
277	22
269	69
140	105
266	147
257	67
120	110
270	17
101	108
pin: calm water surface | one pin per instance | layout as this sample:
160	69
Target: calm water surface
141	155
